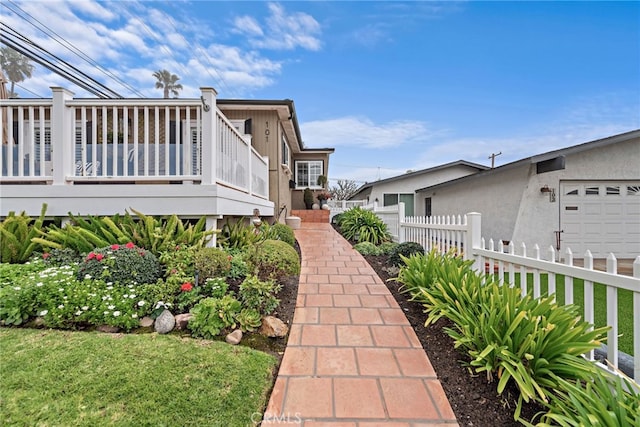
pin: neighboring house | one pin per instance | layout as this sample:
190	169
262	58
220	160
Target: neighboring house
582	197
191	157
402	188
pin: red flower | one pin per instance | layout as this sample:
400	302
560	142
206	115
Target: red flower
174	271
229	257
46	255
115	247
91	255
130	245
99	257
186	287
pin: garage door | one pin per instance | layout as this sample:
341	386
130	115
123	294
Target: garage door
603	217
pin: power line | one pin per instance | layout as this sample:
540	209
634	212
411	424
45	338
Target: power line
68	45
28	90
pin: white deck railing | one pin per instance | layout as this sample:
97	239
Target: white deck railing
64	140
462	234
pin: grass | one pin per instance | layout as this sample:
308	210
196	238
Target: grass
625	305
62	378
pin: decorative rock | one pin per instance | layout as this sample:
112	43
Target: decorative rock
108	329
273	327
165	322
146	322
234	337
38	321
315	206
182	320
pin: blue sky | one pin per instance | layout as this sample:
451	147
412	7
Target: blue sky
393	86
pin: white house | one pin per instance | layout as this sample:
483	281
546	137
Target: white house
401	188
582	197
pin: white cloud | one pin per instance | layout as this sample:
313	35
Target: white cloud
361	131
247	25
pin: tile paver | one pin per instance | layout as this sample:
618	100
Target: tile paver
352	359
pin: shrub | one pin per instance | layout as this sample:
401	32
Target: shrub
16	236
189	295
120	264
211	263
215	288
238	235
282	232
363	226
386	248
60	257
405	249
212	315
367	248
274	259
605	400
249	319
259	295
161	291
239	267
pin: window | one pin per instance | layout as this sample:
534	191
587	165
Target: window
307	173
427	206
592	191
390	199
285	150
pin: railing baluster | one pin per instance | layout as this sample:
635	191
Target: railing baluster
612	313
588	295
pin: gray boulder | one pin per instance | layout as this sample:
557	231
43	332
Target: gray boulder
165	322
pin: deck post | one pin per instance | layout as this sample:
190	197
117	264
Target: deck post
209	135
62	136
473	239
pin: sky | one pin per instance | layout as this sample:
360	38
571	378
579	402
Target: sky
393	86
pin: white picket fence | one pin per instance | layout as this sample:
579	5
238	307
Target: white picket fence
462	234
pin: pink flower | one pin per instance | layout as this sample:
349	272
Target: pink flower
130	245
186	287
46	255
91	255
99	257
115	247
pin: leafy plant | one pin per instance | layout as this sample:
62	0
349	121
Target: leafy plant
604	400
238	235
281	232
60	257
239	266
189	295
259	295
16	236
216	288
249	319
308	197
211	263
274	259
121	264
405	249
367	248
386	248
212	315
363	226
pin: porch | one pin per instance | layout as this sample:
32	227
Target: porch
104	156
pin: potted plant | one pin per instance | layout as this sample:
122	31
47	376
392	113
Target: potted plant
308	198
322	197
322	181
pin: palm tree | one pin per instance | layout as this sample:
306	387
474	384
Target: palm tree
16	66
167	82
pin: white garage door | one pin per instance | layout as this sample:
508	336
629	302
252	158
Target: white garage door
603	217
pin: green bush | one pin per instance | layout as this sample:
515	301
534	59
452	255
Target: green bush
239	266
259	295
604	400
16	236
361	225
274	259
249	319
212	315
238	235
162	291
404	249
211	263
386	248
215	288
122	264
337	219
367	248
282	232
60	257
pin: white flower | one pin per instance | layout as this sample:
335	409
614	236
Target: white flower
135	316
132	296
85	307
17	288
60	289
43	313
111	307
87	276
110	288
109	283
105	312
61	306
39	284
104	298
78	313
116	313
125	296
141	303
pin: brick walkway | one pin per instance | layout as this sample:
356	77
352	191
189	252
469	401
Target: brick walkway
352	358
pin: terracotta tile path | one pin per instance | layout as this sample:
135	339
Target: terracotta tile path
352	358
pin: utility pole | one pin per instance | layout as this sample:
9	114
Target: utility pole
493	158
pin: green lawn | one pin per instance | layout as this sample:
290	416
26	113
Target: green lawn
625	305
62	378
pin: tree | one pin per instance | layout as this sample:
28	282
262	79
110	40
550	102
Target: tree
16	66
344	189
167	82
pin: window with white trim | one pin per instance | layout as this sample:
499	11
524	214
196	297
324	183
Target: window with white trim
307	173
285	150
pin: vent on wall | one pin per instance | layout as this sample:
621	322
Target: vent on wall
550	165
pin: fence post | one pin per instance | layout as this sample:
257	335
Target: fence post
473	239
401	228
209	135
62	136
